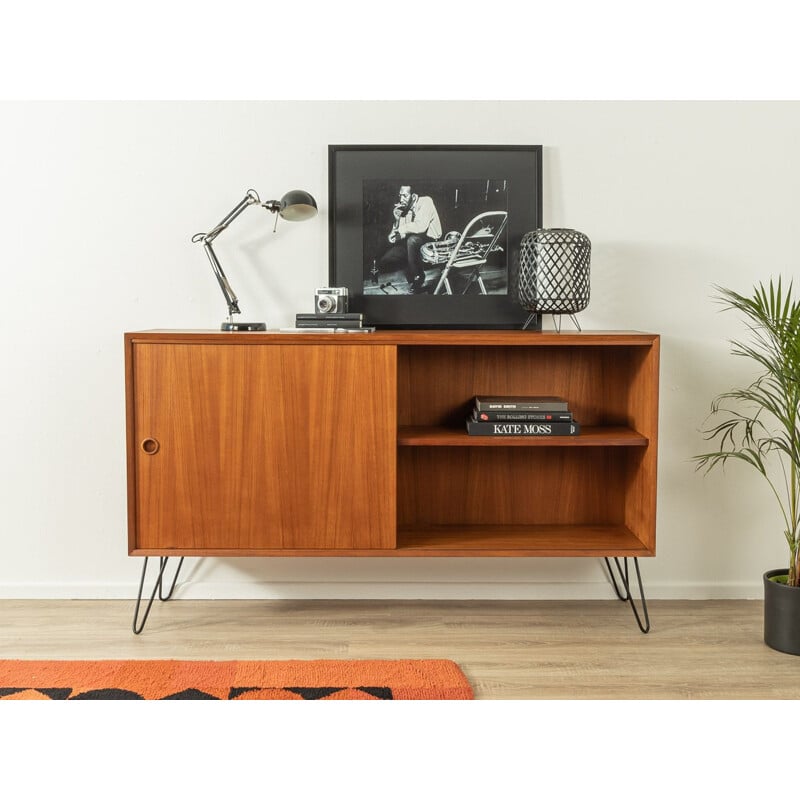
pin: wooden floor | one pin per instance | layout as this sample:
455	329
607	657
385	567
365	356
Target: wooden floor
508	650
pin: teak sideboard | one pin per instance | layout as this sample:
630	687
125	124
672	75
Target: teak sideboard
355	444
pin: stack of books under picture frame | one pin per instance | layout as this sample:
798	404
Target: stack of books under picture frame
524	415
332	322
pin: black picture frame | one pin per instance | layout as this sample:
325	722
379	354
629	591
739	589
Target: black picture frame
361	175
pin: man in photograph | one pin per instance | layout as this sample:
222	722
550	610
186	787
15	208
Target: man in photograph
416	222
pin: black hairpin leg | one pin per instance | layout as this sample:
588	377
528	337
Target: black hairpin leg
557	322
158	587
644	628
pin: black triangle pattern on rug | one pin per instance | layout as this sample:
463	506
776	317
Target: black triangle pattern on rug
190	694
238	691
53	694
314	692
106	694
381	692
306	692
56	693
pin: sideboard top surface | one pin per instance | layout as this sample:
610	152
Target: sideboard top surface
405	337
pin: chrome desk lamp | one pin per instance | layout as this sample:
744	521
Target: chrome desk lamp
294	206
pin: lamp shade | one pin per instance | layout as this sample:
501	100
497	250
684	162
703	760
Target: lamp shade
554	271
297	205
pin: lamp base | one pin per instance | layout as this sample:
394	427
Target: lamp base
243	326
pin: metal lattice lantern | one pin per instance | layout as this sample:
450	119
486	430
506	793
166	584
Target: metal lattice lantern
553	273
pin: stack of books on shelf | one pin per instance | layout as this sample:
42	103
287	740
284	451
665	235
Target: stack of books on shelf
527	415
342	321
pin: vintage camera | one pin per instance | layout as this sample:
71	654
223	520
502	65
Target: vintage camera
330	300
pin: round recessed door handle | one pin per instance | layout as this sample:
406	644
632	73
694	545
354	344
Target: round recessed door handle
150	446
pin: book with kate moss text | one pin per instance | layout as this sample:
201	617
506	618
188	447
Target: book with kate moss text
521	403
523	428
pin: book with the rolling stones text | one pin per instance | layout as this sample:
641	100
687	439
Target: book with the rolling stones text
521	403
523	428
521	416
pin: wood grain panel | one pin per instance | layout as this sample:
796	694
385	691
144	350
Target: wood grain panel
265	447
640	499
510	486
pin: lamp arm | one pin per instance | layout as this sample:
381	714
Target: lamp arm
207	238
230	296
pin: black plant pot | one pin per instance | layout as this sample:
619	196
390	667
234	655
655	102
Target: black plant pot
781	614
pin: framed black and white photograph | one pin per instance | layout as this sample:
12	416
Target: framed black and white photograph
426	236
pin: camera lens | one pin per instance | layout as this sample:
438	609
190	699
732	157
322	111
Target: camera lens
324	304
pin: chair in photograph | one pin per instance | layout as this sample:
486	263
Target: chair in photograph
471	251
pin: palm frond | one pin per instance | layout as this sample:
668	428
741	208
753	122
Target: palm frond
759	424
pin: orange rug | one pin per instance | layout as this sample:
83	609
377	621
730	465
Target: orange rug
419	679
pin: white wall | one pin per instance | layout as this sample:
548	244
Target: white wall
99	202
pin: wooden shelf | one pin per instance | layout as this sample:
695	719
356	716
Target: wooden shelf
520	540
595	436
474	541
424	338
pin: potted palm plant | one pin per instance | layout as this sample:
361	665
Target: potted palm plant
760	426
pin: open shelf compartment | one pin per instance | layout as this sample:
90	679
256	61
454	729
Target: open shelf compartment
590	494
